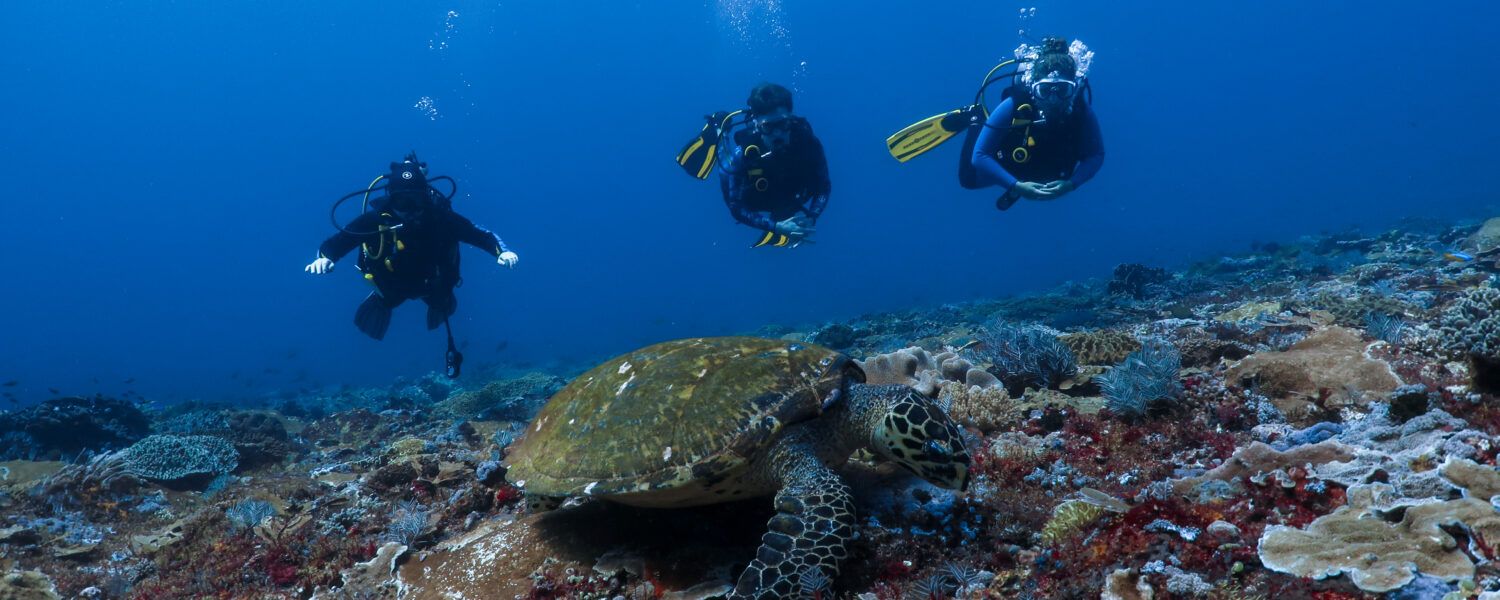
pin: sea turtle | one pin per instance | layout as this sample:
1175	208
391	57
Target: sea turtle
708	420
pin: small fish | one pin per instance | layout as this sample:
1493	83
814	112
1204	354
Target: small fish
1450	254
54	391
129	380
12	383
500	347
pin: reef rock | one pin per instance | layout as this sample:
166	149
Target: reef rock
27	585
1486	239
515	399
375	578
507	556
1259	458
1377	554
1321	367
1406	454
64	427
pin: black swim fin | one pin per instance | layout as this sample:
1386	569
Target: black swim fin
1006	201
373	316
439	308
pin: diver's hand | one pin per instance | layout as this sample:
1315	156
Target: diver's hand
321	266
795	228
508	259
1032	190
1058	188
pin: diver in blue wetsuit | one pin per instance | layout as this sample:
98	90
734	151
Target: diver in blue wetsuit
776	176
1042	141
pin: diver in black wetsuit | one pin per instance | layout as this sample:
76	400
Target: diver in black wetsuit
408	241
776	178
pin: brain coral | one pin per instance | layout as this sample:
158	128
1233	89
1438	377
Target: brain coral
1103	347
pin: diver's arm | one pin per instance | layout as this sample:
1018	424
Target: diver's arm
732	183
342	243
988	146
1091	150
477	236
822	187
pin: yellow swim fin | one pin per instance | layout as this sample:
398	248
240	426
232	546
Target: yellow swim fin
772	238
928	133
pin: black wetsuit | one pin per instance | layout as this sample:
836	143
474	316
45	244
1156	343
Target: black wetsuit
409	256
794	180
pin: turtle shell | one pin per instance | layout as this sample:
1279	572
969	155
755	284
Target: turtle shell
677	412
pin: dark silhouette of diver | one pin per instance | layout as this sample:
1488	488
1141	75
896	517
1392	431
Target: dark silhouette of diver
408	241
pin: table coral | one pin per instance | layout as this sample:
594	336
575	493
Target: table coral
1380	555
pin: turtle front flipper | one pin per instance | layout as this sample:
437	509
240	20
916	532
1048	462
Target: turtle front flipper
801	552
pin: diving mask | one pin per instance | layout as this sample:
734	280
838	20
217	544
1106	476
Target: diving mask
774	124
1054	89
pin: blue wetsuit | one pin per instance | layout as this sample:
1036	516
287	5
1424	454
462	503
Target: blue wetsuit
793	180
1070	148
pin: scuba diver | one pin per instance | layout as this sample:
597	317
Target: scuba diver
775	176
408	240
1042	140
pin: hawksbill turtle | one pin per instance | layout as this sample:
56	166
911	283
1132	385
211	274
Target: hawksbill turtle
708	420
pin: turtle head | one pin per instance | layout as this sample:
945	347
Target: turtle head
914	432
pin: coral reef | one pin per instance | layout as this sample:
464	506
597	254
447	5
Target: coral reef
1310	419
64	427
502	400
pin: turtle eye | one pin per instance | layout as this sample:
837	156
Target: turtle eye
937	450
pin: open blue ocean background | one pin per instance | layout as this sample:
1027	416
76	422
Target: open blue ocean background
169	166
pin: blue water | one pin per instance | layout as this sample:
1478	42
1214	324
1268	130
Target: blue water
170	165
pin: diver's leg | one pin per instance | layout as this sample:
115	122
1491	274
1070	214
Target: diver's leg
1006	201
440	306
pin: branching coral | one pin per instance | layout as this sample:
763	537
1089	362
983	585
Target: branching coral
1471	328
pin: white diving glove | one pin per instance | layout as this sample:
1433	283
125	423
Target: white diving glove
322	266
